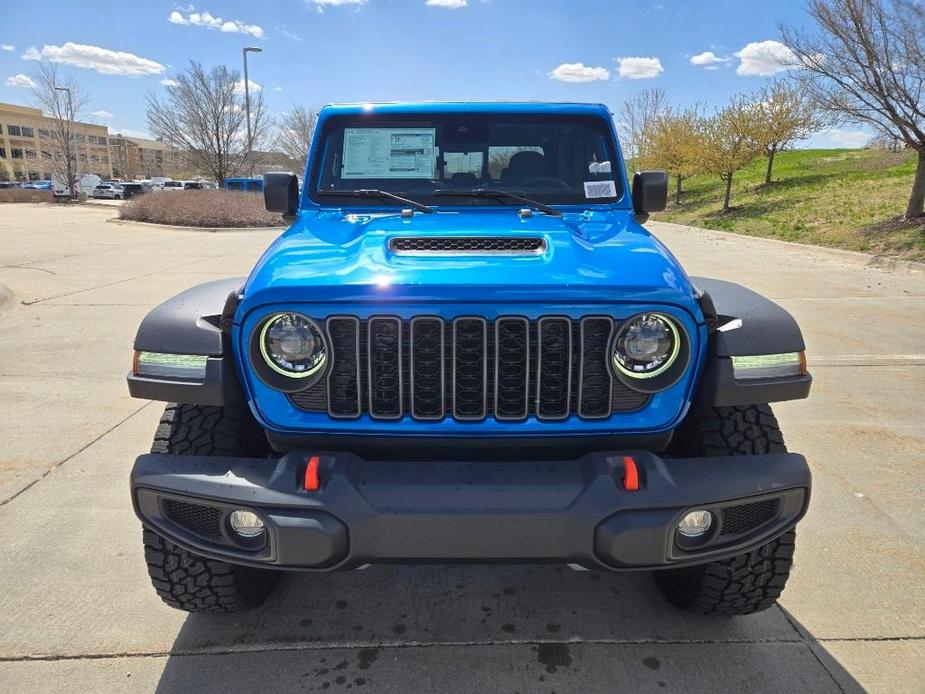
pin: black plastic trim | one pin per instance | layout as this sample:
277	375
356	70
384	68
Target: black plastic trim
570	511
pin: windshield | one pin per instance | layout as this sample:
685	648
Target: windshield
550	158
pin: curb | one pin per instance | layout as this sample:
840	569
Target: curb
208	230
881	262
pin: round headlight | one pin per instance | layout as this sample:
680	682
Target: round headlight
293	345
646	345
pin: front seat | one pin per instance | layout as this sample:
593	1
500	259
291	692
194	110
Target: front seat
523	166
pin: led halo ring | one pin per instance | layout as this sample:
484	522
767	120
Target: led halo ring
268	360
676	350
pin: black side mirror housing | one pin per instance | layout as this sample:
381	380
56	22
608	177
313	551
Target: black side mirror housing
650	193
281	193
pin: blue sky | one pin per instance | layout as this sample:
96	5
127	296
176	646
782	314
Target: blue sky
319	51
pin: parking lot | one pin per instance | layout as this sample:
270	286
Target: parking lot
77	610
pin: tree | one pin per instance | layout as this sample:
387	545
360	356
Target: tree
673	144
294	137
637	116
787	114
865	63
729	141
63	101
204	115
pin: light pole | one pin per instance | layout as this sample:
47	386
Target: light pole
247	103
71	183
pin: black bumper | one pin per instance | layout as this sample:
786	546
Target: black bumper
574	511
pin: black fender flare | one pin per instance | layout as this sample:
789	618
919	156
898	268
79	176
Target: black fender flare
196	321
745	323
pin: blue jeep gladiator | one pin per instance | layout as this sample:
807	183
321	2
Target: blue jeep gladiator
467	348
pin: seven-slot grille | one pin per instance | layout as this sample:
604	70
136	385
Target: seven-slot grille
469	368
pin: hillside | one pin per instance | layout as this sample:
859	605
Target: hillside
847	199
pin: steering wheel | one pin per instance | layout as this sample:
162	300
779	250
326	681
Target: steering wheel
555	182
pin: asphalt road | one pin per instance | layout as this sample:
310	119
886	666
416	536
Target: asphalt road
77	612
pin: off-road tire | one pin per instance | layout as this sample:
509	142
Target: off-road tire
183	579
746	583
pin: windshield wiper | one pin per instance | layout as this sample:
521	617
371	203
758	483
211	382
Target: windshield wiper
499	195
375	193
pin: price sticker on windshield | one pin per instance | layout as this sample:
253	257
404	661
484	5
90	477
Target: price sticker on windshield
600	189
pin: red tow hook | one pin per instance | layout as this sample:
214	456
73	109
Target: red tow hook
312	483
630	474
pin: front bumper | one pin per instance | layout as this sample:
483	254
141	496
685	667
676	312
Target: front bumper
574	511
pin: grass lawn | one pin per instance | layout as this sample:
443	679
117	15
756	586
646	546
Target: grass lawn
848	199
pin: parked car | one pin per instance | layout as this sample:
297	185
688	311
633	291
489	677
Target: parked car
441	361
182	185
131	189
86	186
111	191
248	185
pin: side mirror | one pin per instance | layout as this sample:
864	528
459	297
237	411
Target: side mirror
281	193
650	193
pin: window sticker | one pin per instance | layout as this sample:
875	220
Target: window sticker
600	189
389	153
599	167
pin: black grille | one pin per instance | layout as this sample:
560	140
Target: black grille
512	368
198	519
385	368
469	368
466	245
746	517
594	397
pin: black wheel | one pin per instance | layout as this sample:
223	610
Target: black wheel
183	579
746	583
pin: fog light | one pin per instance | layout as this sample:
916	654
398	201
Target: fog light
695	523
246	524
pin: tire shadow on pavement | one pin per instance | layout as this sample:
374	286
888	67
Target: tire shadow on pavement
420	628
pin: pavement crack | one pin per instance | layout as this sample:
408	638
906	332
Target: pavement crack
71	456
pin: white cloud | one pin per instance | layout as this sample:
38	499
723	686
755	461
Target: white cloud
127	132
291	35
640	68
321	4
103	60
764	58
708	60
20	80
7	47
579	72
838	138
251	86
102	114
277	89
169	83
447	4
210	21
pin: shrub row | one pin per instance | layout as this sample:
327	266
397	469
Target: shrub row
200	208
25	195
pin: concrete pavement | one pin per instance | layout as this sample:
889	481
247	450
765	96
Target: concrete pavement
76	609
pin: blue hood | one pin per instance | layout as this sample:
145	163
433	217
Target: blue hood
590	256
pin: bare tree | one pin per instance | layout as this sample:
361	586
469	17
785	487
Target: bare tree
787	114
295	132
636	118
866	63
63	101
729	141
203	114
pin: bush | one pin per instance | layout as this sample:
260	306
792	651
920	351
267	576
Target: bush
200	208
25	195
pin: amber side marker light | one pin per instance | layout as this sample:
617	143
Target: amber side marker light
787	365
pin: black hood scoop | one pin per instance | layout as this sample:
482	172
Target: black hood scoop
467	245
